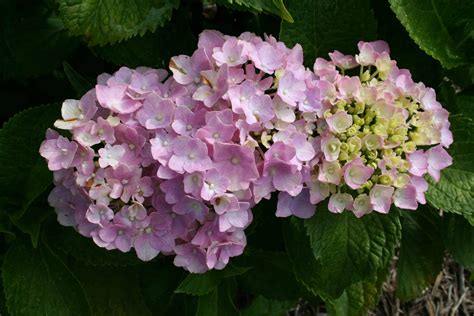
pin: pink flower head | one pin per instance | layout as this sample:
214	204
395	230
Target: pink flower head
290	89
231	53
116	99
118	236
214	184
237	163
156	112
190	257
339	202
99	214
381	198
362	205
339	122
111	155
189	155
192	206
300	205
331	147
418	163
214	87
406	197
438	159
58	151
356	174
343	61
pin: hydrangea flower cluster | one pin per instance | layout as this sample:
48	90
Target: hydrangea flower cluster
174	164
377	133
167	164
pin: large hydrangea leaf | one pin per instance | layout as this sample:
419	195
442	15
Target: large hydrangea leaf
350	249
29	34
359	297
38	283
455	191
459	239
23	172
69	242
148	50
219	302
341	250
109	21
261	280
204	284
276	7
322	26
421	252
443	28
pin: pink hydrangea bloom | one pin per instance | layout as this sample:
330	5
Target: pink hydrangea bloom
175	164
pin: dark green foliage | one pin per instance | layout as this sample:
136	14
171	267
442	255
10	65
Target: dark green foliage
421	253
51	50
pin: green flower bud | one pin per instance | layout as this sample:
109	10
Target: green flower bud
403	165
354	143
342	136
397	138
365	76
343	156
352	131
413	107
385	179
327	113
368	185
402	180
371	154
359	108
409	147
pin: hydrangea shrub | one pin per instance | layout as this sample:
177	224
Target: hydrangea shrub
233	174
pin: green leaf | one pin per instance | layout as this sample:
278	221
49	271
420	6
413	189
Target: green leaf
306	268
271	275
203	284
455	190
262	306
36	282
421	252
83	249
403	49
218	303
80	84
23	172
159	296
276	7
32	40
31	221
359	297
110	21
322	26
459	239
3	307
148	50
443	28
112	290
6	225
351	249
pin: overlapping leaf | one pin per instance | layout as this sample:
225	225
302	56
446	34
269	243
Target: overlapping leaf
23	172
455	191
443	28
322	26
109	21
421	253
